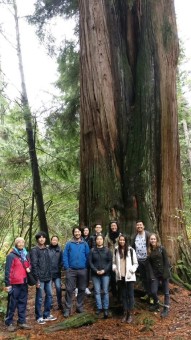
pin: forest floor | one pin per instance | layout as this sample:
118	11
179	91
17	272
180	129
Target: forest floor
145	325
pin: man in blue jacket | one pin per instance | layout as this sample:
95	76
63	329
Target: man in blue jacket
75	263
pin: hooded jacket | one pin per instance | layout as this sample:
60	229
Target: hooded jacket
131	264
15	269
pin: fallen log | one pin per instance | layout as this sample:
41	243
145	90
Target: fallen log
75	321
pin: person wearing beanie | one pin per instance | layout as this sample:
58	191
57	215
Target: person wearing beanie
41	269
16	268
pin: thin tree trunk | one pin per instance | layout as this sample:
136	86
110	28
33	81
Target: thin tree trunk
130	159
30	136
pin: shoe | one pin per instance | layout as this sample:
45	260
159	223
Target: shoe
164	313
50	318
155	307
87	291
129	319
40	321
66	313
124	319
76	292
151	301
98	311
105	314
144	298
23	325
79	310
11	328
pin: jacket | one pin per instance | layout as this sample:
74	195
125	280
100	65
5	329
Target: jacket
158	264
131	264
110	244
100	259
56	261
15	270
75	255
41	263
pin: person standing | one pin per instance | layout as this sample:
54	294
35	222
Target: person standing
140	243
125	265
159	271
41	268
75	263
56	265
16	268
86	237
97	231
111	241
100	260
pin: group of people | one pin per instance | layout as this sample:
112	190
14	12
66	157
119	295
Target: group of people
110	261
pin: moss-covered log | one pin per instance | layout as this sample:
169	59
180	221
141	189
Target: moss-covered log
76	321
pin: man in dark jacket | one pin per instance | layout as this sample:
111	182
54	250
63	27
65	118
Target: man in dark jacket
56	265
75	263
41	268
140	244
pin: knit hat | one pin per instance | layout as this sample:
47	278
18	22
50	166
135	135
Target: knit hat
19	239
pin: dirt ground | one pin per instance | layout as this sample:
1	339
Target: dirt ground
145	325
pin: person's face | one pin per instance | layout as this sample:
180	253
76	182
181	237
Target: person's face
86	232
54	241
99	241
98	228
77	233
113	227
122	241
140	227
153	240
20	245
41	240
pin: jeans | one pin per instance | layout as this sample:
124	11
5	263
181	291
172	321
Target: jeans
165	288
57	283
47	288
127	294
75	278
17	299
101	282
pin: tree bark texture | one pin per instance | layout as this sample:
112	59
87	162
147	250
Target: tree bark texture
130	161
37	188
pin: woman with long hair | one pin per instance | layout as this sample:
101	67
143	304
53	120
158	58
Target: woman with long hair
159	272
125	265
100	260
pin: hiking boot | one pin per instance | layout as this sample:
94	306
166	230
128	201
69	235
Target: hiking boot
124	319
105	314
23	325
40	321
164	313
11	328
66	313
50	318
98	312
154	307
79	310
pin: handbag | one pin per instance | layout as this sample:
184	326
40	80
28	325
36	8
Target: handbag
31	280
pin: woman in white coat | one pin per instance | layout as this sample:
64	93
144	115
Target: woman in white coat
125	265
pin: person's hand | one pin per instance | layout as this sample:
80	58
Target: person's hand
38	284
28	270
8	289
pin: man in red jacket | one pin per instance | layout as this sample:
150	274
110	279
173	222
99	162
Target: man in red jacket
16	268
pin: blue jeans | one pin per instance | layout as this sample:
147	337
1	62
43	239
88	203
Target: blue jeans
17	299
57	283
165	288
101	282
46	287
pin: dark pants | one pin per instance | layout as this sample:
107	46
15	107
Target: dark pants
127	294
113	284
143	270
165	288
18	299
75	278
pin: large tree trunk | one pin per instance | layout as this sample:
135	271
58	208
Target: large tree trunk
130	162
37	188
